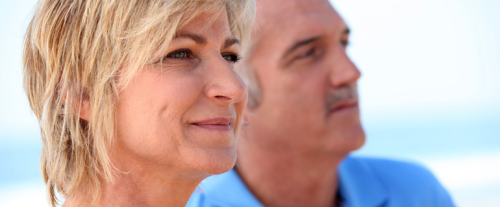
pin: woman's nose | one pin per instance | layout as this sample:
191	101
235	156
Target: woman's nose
224	85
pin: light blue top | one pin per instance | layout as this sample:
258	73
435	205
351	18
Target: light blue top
364	182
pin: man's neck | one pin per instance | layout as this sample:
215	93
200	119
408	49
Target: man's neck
284	178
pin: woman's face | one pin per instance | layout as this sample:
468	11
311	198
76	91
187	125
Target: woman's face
182	114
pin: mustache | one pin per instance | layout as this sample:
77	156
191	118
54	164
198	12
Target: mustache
341	93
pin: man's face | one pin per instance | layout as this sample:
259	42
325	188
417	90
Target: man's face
308	83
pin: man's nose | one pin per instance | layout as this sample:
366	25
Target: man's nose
343	70
224	86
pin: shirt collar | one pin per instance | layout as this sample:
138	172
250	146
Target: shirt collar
228	190
359	186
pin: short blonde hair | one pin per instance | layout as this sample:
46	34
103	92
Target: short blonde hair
73	51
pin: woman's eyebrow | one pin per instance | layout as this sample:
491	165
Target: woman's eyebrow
203	41
230	41
197	38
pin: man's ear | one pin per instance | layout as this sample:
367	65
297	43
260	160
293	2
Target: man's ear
85	109
244	118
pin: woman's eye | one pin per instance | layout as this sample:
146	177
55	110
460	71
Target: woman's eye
231	57
180	54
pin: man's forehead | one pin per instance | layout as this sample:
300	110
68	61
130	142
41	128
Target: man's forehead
276	12
293	20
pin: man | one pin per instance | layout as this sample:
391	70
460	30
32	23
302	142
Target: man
303	121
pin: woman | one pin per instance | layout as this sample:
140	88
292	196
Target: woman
137	100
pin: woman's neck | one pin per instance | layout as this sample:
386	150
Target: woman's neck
142	185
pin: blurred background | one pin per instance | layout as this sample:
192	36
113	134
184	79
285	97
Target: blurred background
430	93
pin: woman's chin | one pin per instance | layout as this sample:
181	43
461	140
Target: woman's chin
215	161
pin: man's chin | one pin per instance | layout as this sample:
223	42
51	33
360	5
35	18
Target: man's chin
348	141
360	137
357	138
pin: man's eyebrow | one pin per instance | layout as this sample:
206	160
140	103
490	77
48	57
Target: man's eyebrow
197	38
230	42
300	44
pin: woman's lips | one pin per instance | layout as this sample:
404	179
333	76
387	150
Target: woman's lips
215	124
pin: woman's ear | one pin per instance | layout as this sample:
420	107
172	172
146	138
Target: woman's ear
85	110
80	104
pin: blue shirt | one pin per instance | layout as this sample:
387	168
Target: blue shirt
363	182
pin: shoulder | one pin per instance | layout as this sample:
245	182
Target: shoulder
199	198
405	182
393	170
223	190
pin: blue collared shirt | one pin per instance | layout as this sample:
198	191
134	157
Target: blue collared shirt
363	182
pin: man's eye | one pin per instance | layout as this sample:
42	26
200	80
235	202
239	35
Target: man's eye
308	53
231	57
180	54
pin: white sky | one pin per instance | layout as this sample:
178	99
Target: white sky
417	56
425	56
16	118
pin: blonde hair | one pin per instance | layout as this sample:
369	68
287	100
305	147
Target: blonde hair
73	51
